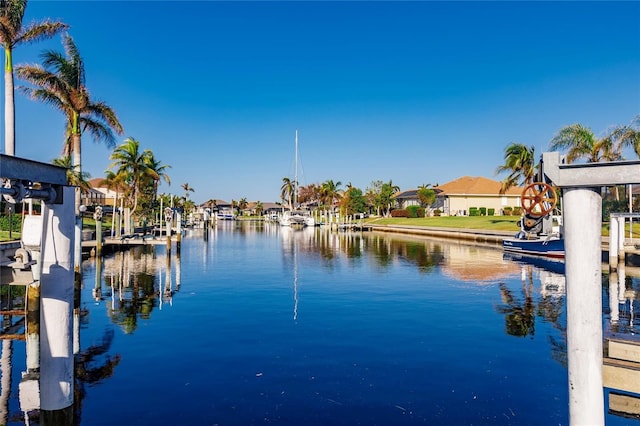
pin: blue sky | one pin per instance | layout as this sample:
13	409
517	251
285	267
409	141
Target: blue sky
413	92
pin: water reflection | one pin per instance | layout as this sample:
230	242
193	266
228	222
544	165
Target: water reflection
254	353
135	282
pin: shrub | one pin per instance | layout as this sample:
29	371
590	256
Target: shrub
517	211
473	211
415	211
16	222
508	211
412	211
399	213
483	211
491	212
437	212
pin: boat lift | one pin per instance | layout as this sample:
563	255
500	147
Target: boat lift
582	216
52	272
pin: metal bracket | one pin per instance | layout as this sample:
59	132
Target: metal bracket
31	179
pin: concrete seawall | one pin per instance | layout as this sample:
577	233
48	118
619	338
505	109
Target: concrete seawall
475	235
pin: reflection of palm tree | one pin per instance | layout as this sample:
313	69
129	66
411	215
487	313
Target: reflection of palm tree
519	314
87	374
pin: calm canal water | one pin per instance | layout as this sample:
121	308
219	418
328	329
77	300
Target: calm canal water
257	324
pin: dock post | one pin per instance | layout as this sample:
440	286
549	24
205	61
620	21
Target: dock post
97	215
56	311
621	236
614	306
613	242
168	215
178	231
583	221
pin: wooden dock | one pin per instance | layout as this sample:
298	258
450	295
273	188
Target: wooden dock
123	243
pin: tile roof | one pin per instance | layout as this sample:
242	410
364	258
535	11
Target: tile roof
469	185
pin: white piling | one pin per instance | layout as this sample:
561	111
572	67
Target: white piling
613	243
614	306
583	221
621	236
56	292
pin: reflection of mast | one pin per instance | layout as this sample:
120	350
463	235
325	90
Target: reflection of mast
160	288
295	280
177	271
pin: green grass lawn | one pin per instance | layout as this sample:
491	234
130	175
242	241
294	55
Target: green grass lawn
495	223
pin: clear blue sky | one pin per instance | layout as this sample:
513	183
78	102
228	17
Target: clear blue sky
415	92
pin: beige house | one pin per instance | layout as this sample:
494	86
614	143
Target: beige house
99	195
455	198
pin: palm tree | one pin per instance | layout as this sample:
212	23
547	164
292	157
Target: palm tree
114	181
12	34
243	203
60	82
629	136
287	191
185	186
259	208
579	142
387	192
130	162
426	195
330	192
160	171
74	178
519	161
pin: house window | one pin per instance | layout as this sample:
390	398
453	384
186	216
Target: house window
504	201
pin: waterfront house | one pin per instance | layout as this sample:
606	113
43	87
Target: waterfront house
457	197
407	198
99	194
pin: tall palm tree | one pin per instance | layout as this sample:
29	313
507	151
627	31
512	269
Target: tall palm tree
129	161
520	163
60	82
12	34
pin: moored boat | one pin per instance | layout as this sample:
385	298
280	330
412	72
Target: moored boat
540	232
549	246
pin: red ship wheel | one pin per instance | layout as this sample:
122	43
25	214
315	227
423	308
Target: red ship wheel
538	199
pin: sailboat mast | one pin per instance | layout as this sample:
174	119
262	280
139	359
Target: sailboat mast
295	176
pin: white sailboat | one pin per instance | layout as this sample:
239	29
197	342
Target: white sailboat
296	216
